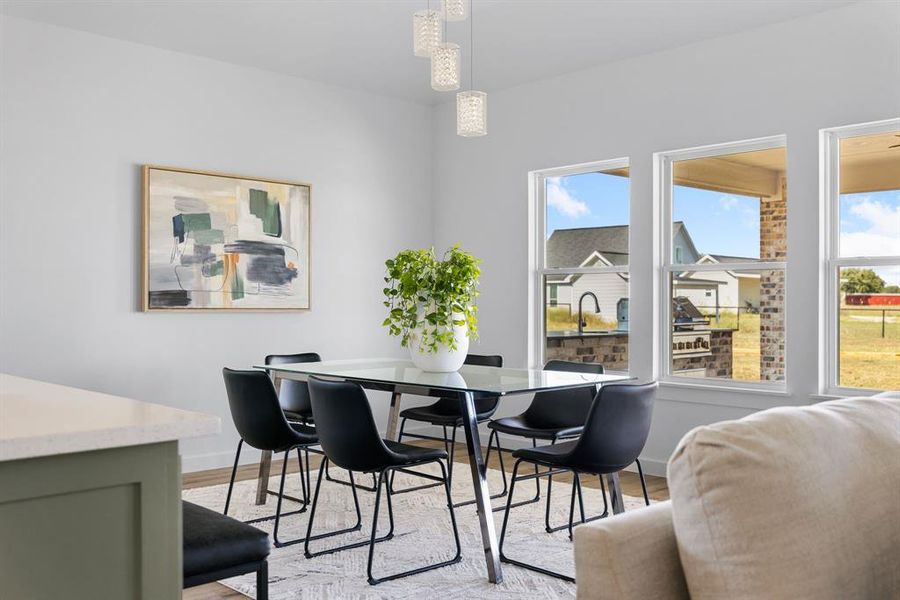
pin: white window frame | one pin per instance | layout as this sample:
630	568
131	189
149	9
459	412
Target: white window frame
663	162
537	245
832	263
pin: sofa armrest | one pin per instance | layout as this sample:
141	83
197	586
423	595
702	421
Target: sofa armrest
632	555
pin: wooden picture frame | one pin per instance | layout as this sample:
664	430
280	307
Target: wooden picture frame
222	242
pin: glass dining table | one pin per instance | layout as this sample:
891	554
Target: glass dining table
400	377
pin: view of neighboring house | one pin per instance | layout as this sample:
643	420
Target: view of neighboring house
608	246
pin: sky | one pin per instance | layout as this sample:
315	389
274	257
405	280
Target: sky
722	223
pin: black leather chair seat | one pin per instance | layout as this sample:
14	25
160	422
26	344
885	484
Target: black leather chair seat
410	455
554	455
305	430
214	542
296	417
522	427
441	413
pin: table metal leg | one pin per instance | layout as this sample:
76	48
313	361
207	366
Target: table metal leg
393	417
482	494
265	460
615	493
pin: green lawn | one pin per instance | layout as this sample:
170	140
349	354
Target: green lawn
867	359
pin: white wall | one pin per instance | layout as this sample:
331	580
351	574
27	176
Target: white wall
80	114
793	78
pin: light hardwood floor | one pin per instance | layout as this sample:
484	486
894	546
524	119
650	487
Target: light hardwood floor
631	486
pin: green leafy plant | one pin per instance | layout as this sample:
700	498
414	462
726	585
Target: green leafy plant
430	296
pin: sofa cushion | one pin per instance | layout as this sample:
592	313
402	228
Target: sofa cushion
800	502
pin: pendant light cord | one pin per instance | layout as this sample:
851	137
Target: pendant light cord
471	44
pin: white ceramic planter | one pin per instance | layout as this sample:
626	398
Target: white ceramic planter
444	360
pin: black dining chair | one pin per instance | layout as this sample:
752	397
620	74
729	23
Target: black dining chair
446	413
555	416
261	423
615	431
350	439
294	398
294	395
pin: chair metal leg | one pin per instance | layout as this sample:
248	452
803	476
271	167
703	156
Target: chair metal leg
312	514
237	457
342	482
277	542
262	581
456	558
537	482
576	488
280	495
643	483
424	486
509	505
487	457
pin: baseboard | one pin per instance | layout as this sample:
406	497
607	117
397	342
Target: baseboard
217	460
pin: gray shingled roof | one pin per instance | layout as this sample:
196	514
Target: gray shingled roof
570	247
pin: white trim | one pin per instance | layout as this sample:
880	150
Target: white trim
537	248
663	187
731	266
831	261
767	388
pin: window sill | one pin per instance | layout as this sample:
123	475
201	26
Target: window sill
726	396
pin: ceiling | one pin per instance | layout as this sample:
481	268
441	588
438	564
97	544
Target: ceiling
366	44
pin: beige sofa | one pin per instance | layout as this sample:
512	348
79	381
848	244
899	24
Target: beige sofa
792	503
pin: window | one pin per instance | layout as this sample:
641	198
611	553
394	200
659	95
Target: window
580	257
724	250
861	189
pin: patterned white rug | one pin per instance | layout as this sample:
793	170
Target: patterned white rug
422	536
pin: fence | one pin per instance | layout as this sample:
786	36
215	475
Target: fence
884	314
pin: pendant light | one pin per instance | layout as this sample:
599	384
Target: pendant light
445	67
427	32
471	105
455	10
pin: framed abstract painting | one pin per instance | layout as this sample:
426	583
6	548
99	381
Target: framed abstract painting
224	242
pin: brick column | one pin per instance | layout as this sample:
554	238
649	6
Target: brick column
772	247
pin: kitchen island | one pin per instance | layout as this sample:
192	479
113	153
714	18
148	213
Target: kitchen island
90	493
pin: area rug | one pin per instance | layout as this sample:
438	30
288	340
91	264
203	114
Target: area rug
422	535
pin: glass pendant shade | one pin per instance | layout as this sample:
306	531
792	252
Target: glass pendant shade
445	67
427	32
471	113
455	10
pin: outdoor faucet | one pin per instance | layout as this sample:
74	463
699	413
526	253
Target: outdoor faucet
581	321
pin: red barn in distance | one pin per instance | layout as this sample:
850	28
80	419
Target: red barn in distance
872	299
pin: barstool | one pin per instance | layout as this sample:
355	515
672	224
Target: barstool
614	434
350	439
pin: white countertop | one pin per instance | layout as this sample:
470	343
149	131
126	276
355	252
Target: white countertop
45	419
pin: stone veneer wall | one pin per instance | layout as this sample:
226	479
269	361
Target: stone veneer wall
612	352
772	247
718	363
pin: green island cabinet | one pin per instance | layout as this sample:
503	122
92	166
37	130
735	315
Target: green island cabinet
90	493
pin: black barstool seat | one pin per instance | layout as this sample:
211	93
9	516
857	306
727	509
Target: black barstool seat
214	542
523	426
443	412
